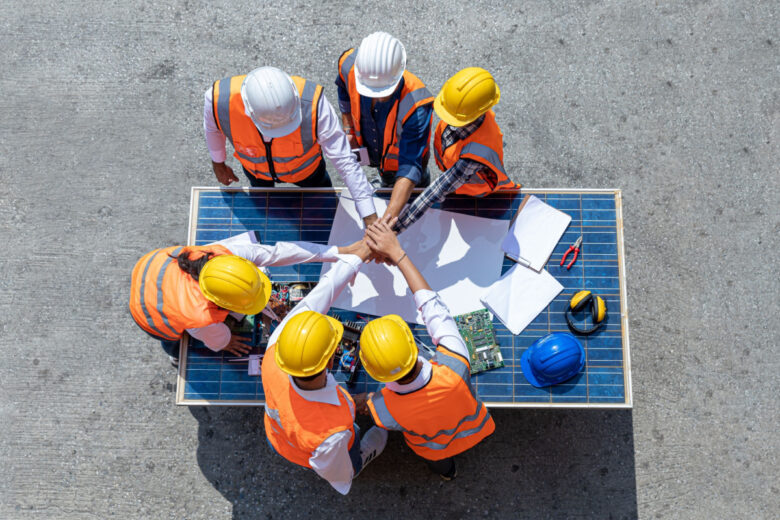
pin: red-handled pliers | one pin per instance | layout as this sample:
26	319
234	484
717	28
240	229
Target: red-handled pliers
576	248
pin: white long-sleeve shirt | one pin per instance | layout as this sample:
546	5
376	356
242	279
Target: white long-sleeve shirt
443	331
331	459
217	335
331	138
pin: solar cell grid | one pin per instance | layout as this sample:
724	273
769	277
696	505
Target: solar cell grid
207	377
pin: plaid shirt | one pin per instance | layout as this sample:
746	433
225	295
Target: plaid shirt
448	181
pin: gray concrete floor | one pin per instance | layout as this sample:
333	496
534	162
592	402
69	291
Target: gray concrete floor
676	103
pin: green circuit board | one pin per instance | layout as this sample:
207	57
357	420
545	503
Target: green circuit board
477	331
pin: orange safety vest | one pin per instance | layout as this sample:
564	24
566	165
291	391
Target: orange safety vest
164	300
296	427
484	145
441	419
414	94
293	157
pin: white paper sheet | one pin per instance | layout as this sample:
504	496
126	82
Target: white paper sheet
520	295
535	233
459	255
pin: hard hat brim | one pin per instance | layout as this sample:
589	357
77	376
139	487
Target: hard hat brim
375	92
525	366
448	118
280	131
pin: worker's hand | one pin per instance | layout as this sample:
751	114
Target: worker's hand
352	140
378	258
359	248
224	173
278	307
238	345
367	221
381	239
361	403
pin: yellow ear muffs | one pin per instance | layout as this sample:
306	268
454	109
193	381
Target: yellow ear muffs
580	300
598	311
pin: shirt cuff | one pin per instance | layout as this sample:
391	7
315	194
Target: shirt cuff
409	171
218	157
345	107
365	207
331	254
423	296
353	260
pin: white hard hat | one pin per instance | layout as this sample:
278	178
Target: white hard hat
272	101
379	65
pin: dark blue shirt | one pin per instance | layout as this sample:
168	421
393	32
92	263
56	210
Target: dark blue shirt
414	135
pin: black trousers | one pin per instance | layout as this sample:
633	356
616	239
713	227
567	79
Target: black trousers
318	179
443	466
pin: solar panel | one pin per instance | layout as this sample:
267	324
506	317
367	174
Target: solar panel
284	214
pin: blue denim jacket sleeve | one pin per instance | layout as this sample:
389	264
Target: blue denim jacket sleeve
344	104
414	140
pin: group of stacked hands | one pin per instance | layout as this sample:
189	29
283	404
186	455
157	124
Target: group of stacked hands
280	126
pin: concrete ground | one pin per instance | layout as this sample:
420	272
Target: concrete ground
677	103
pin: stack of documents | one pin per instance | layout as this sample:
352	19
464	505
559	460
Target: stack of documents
527	289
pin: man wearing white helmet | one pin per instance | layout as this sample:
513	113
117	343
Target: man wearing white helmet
279	127
388	110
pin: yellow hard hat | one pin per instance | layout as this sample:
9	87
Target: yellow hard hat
235	284
387	348
466	96
307	343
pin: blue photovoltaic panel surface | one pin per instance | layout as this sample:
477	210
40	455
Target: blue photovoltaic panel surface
306	215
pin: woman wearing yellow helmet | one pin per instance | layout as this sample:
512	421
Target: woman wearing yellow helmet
194	288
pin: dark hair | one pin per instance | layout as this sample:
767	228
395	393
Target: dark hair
407	377
192	267
312	377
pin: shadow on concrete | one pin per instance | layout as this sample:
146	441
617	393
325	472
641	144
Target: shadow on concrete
538	464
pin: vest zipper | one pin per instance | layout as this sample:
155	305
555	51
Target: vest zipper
270	159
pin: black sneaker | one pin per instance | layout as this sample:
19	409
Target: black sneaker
450	475
174	361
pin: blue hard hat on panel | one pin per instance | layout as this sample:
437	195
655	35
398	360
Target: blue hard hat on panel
553	359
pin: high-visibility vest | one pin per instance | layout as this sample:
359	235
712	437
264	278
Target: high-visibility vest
296	427
441	419
485	145
414	94
164	300
293	157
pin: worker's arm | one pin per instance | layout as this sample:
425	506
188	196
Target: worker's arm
440	324
446	183
335	146
327	290
382	240
411	149
218	336
437	318
285	253
331	461
402	190
215	141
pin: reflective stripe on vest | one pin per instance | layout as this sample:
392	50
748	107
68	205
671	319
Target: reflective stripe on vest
484	145
164	300
410	409
295	426
295	156
414	94
141	292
